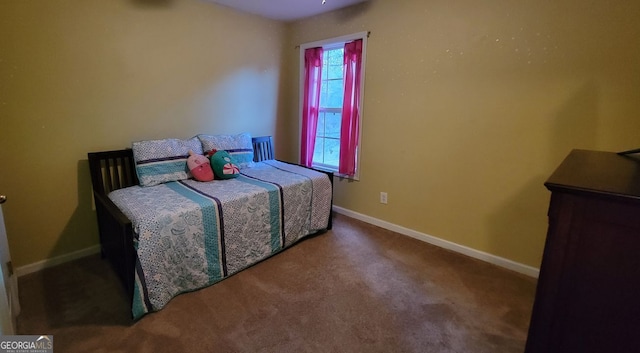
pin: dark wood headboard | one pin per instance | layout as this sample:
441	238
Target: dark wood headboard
112	170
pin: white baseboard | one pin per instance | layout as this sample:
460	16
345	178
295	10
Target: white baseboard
480	255
477	254
40	265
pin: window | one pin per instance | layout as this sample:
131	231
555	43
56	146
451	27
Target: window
332	74
326	153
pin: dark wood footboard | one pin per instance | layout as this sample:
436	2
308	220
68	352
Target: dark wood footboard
113	170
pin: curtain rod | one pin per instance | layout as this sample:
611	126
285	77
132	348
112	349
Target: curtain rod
298	46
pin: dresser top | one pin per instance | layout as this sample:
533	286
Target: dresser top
598	172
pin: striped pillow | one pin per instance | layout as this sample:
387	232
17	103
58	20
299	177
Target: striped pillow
161	161
239	146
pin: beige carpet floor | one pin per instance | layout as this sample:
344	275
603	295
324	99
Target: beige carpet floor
356	288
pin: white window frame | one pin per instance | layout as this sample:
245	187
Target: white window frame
332	43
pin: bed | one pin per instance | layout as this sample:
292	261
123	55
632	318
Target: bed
183	235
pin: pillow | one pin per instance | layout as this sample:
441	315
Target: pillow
161	161
223	166
200	167
239	147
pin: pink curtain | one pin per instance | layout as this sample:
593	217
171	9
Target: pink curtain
310	103
350	129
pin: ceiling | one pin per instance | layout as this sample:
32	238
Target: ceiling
286	10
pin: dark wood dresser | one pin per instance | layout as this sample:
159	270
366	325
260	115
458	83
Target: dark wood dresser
588	294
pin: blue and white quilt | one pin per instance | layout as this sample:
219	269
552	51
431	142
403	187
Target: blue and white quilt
190	234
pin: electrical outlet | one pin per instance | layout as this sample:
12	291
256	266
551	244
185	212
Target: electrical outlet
383	197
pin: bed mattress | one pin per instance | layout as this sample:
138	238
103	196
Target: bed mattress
190	234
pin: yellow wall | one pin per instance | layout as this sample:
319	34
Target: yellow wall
469	106
87	75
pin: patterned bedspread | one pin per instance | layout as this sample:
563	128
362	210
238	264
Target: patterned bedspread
190	234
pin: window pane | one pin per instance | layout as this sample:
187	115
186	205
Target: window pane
335	57
334	72
320	131
318	151
331	94
324	66
332	123
334	94
334	64
324	91
331	152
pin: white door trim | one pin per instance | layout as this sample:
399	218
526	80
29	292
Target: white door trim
9	302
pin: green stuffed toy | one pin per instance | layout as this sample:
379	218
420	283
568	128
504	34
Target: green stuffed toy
222	166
